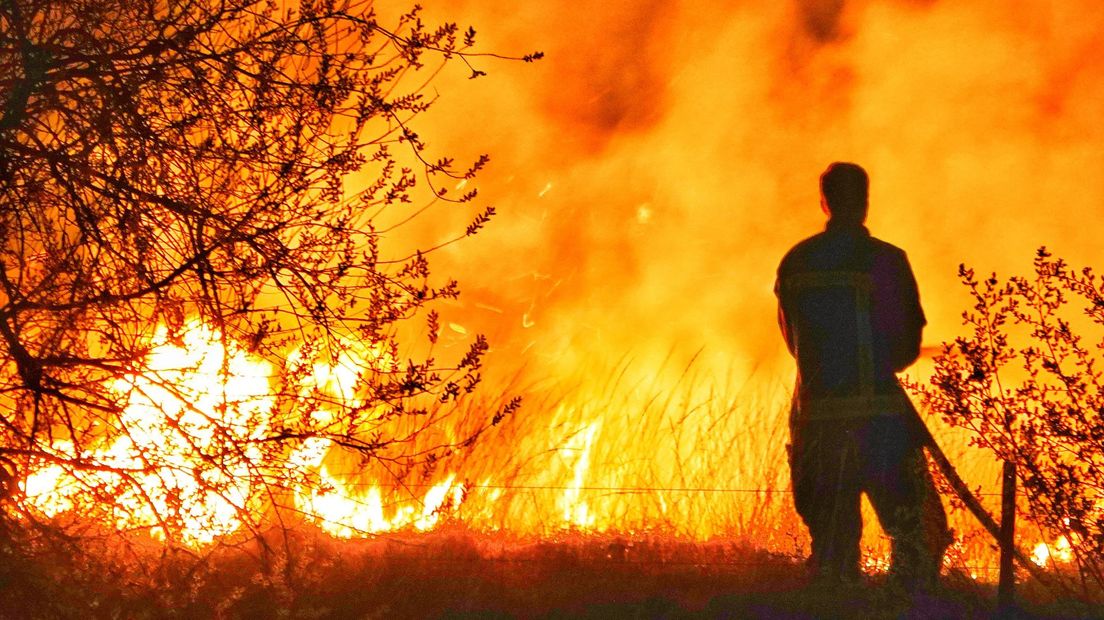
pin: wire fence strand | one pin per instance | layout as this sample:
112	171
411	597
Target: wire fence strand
609	489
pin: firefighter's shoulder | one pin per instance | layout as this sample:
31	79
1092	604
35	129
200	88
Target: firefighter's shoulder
888	250
799	253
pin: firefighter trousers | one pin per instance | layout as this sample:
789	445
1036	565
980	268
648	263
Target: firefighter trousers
833	462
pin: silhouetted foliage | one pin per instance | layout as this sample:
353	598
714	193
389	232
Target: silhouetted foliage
175	174
1027	382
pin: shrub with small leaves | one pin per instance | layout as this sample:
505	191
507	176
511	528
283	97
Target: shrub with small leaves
1027	381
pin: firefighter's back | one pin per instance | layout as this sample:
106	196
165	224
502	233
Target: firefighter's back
851	308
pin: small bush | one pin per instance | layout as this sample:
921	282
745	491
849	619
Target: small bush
1027	383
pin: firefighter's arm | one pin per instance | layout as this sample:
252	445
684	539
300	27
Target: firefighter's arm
783	325
908	347
909	350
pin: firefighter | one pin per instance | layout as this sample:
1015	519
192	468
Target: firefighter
849	310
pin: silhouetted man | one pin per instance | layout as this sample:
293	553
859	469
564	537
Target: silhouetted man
850	312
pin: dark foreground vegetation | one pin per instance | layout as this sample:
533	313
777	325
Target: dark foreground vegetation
453	572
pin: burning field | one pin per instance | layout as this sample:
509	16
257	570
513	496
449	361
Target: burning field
262	446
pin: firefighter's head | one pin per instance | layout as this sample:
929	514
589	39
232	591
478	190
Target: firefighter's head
843	192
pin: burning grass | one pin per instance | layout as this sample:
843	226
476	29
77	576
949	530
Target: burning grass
655	490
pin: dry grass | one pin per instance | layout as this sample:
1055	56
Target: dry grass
686	485
454	572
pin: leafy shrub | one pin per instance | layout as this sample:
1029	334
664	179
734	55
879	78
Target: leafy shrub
1027	383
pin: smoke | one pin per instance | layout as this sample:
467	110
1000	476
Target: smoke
653	169
624	89
821	18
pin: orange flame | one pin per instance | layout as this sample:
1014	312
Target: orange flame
190	389
172	408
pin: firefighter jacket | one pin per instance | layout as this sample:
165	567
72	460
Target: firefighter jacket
850	312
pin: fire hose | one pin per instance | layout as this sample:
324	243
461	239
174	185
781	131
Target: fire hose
958	485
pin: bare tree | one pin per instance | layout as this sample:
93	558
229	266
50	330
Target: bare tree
174	174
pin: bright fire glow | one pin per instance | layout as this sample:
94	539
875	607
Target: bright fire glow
575	510
191	379
194	385
1060	552
168	423
347	511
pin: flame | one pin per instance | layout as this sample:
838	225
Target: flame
1060	551
344	513
197	377
874	562
335	509
194	384
575	510
168	422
